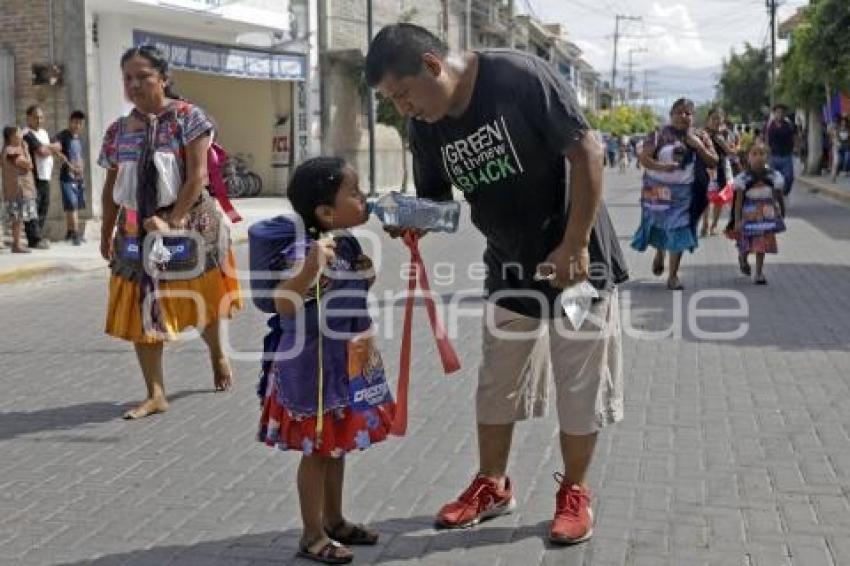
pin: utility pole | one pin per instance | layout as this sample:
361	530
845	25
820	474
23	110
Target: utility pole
617	19
632	74
444	24
771	6
371	94
467	21
511	24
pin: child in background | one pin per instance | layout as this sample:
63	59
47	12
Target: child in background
71	174
19	195
759	211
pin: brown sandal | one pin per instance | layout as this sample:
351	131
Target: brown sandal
328	554
353	534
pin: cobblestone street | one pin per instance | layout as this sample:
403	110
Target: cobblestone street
732	453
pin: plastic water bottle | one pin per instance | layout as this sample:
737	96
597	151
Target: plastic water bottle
403	211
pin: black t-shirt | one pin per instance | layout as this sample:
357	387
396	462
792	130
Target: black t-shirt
32	145
780	137
506	154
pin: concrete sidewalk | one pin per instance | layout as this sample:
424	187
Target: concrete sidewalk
838	190
64	260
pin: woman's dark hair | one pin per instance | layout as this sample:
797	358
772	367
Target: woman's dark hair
715	110
398	50
7	133
157	61
687	102
315	182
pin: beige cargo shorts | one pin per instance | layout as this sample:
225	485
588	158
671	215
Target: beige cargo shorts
520	352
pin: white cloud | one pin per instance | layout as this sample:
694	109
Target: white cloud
680	33
675	39
590	49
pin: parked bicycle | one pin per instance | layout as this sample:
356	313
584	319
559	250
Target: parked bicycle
240	180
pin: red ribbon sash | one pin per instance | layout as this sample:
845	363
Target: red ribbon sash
448	356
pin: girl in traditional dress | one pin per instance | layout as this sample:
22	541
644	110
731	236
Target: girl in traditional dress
759	211
322	382
676	159
721	176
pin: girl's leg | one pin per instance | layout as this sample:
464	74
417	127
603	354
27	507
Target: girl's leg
334	480
311	495
760	268
335	524
312	479
150	360
16	234
222	374
704	231
658	263
673	282
744	263
715	218
71	221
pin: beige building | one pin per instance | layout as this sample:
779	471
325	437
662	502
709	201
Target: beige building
343	44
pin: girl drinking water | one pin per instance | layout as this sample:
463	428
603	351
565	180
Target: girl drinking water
323	386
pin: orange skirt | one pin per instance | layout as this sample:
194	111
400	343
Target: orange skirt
192	303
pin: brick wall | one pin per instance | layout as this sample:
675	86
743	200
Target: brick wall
26	30
26	33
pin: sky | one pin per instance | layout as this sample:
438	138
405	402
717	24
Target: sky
679	35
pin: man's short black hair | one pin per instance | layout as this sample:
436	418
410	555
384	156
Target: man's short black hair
398	50
780	106
31	110
77	115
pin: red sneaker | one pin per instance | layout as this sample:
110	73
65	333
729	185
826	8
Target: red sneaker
573	521
482	500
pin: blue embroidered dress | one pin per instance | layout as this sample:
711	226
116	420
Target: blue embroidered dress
357	406
667	198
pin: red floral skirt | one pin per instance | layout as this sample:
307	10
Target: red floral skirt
343	430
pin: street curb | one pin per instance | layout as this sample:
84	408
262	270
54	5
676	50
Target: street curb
47	269
817	186
37	271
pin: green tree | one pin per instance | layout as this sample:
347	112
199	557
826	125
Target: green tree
623	120
817	65
745	82
701	112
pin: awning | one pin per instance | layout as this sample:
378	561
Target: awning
225	60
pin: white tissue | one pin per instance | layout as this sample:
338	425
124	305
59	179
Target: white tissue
576	302
159	253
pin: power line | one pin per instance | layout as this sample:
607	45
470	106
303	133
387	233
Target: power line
617	19
771	6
